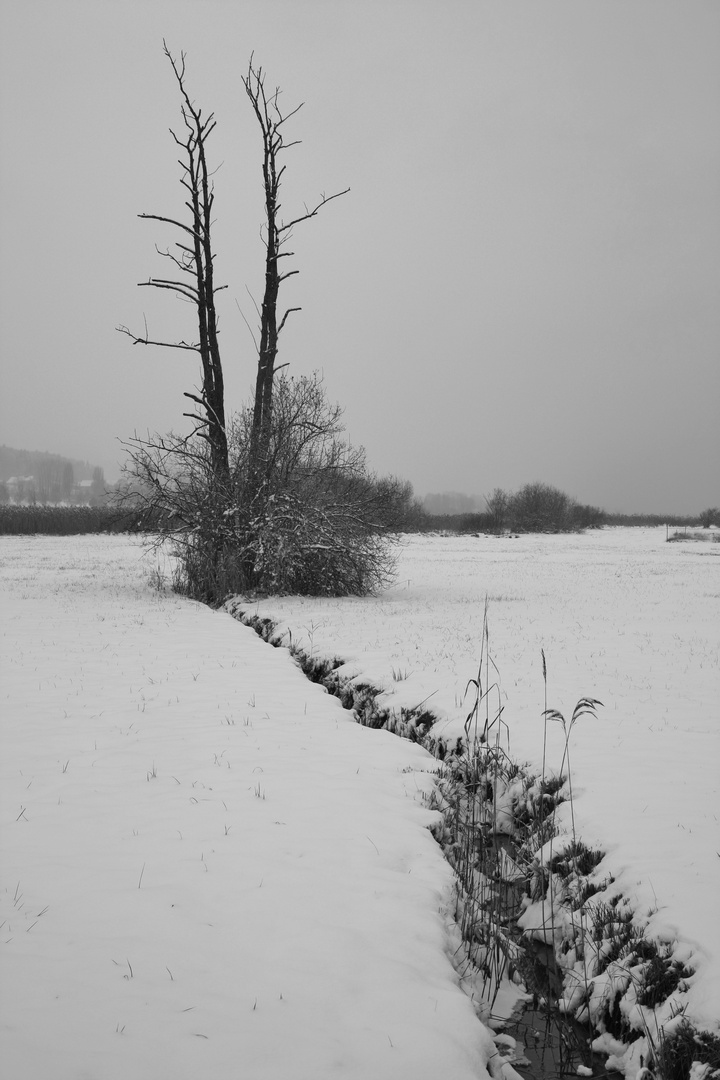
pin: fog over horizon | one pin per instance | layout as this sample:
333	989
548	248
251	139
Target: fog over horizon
522	284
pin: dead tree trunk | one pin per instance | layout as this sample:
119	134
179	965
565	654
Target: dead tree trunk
271	119
193	257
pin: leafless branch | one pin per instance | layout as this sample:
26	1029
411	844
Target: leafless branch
175	286
163	344
171	221
282	322
311	213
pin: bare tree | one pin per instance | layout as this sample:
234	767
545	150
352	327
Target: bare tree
272	119
193	258
277	500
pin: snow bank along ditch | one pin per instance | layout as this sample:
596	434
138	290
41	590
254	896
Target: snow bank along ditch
534	905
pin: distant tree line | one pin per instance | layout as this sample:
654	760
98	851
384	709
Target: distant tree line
535	507
31	476
391	499
540	507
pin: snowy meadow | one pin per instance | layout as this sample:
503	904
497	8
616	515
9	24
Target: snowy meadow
208	869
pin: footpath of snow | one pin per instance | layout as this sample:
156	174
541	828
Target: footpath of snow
208	869
622	616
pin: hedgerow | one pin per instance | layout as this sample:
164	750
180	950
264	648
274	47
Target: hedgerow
20	520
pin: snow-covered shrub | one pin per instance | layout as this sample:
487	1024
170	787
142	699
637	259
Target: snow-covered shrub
311	519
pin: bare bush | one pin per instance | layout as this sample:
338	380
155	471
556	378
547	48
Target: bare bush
497	508
538	507
709	517
320	523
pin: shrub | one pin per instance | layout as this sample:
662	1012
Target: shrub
497	508
540	508
312	520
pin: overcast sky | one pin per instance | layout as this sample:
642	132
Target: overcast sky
522	284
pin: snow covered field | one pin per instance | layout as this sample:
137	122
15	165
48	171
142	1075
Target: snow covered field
208	869
622	616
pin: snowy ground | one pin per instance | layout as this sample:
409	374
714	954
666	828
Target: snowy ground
622	616
208	869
